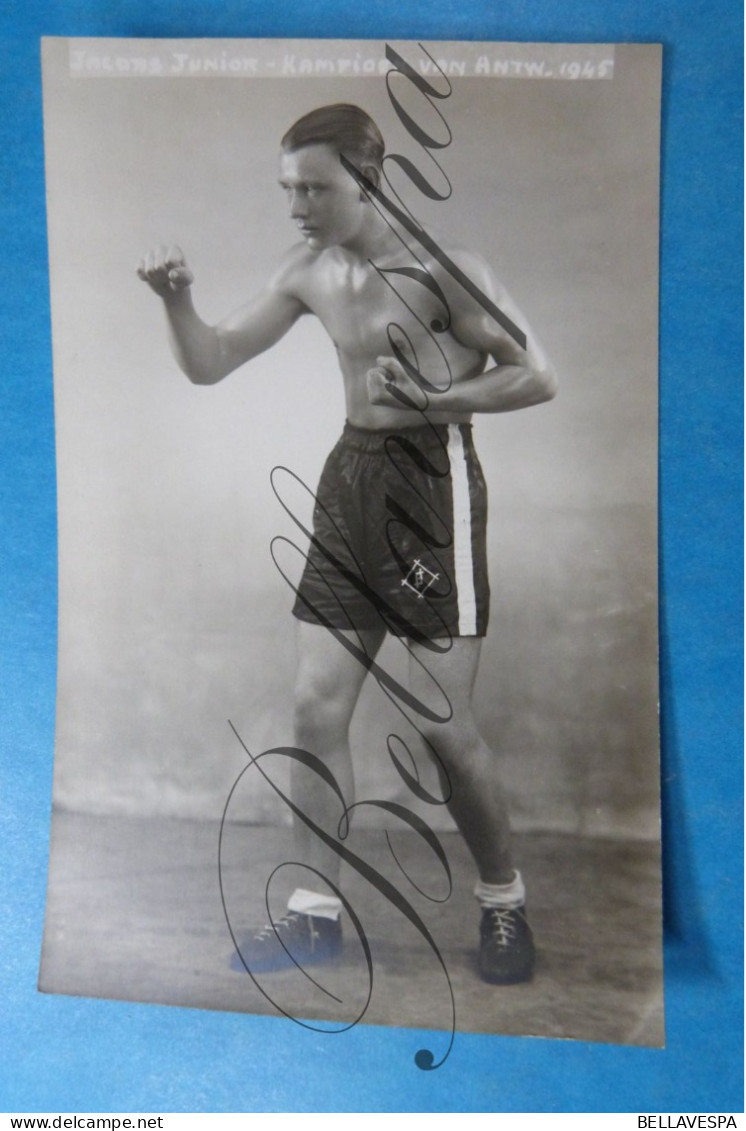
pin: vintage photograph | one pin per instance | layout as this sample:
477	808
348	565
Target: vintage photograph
355	371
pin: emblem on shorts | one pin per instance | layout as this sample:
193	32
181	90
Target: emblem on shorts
420	578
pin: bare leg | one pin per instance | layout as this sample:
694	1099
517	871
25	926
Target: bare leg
328	684
478	804
506	948
327	687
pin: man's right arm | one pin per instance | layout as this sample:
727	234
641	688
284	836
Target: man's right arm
206	353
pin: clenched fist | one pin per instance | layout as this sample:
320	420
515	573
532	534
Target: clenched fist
165	271
391	386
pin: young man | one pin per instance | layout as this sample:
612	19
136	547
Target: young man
400	519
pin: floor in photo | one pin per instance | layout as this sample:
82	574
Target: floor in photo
135	913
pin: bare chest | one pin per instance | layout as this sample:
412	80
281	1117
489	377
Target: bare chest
364	309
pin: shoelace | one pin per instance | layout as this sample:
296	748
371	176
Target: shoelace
287	922
502	925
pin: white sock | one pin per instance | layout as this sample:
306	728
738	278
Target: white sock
509	896
315	903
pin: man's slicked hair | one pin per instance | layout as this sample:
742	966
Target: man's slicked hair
345	128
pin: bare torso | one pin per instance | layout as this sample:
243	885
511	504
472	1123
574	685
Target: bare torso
360	309
402	320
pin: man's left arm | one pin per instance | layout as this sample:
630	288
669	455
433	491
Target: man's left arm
519	378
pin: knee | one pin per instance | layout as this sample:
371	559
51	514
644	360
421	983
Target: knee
322	714
458	746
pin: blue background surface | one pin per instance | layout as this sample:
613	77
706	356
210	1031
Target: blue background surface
73	1055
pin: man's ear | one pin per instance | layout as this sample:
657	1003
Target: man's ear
373	174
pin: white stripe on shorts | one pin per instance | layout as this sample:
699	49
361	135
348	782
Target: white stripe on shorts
462	555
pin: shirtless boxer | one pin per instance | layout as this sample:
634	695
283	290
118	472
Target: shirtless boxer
421	576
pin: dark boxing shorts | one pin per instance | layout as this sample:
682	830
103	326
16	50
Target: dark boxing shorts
399	535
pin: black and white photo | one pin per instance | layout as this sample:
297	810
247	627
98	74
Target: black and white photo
355	353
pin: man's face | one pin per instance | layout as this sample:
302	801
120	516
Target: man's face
323	199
